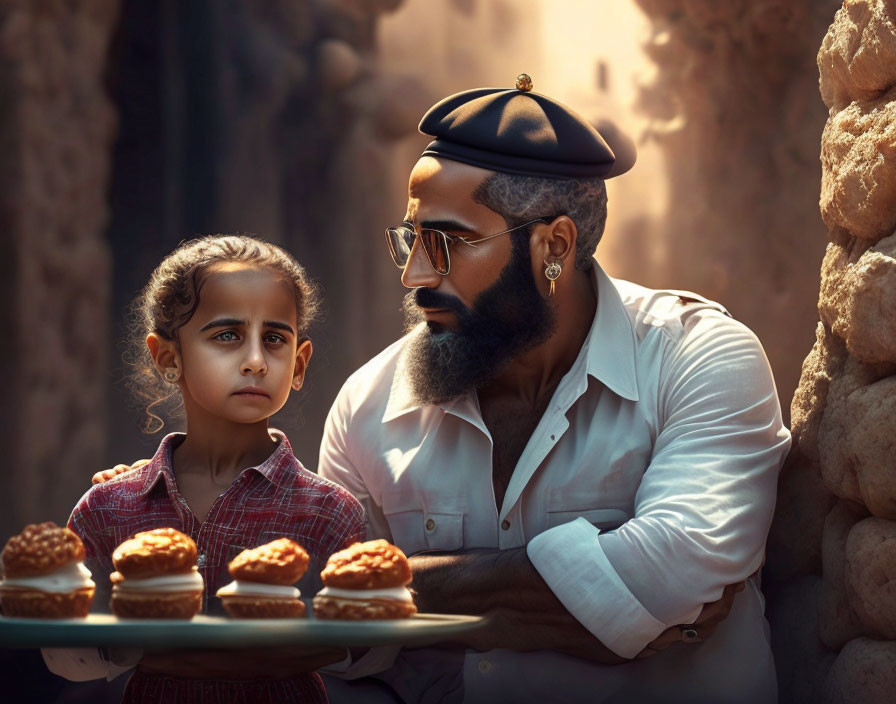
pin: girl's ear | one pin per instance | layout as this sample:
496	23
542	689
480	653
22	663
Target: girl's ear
163	352
303	355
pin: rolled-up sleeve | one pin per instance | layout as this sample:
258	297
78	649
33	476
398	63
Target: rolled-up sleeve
704	505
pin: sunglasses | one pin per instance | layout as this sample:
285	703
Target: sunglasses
435	243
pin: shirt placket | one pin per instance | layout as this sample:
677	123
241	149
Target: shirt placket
204	533
182	508
511	525
511	531
208	536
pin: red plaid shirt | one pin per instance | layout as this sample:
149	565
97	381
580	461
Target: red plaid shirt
278	498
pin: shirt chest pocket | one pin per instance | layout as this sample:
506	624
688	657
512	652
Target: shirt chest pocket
417	530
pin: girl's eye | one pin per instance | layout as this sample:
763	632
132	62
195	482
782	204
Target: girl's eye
273	339
226	336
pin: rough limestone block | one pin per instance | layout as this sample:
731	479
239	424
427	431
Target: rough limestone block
844	439
871	442
837	622
858	157
839	258
822	364
867	318
857	59
871	575
863	673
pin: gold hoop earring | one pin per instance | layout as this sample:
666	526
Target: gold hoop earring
552	272
171	374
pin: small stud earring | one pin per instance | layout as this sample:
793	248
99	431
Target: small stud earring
552	272
171	374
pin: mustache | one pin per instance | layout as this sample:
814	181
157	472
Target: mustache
428	298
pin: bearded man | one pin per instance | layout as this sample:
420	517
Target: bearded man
590	462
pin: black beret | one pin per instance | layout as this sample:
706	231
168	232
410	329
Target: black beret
519	132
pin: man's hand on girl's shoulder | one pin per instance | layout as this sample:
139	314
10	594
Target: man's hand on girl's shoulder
108	474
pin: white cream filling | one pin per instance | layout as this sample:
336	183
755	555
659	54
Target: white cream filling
186	581
70	578
391	593
243	588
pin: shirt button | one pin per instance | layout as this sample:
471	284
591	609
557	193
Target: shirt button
485	666
505	525
430	524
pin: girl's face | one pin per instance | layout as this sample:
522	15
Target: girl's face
239	353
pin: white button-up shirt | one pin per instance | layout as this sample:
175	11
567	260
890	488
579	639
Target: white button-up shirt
647	487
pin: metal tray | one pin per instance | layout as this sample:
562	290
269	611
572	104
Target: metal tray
105	630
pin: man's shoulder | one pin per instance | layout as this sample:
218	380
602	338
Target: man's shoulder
681	330
669	311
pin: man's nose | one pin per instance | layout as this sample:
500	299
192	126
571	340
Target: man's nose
418	271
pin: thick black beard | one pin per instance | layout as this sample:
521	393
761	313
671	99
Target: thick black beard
507	319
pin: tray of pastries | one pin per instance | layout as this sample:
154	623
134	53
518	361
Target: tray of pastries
157	591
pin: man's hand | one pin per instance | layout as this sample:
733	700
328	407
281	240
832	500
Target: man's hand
244	663
560	631
528	631
704	625
108	474
523	612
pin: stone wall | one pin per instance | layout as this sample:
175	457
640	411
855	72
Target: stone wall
734	104
832	552
56	130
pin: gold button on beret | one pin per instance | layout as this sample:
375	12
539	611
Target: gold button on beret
518	131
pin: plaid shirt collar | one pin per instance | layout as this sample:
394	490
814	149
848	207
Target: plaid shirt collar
279	468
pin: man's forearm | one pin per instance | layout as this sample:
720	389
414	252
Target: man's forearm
524	613
478	581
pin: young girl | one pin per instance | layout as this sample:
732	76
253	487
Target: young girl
222	324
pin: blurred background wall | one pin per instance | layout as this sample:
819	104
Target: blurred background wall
129	125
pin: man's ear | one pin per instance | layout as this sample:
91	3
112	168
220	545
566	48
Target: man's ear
554	241
163	352
303	356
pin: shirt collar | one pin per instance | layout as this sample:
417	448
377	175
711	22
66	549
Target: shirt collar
401	397
609	350
279	468
610	345
159	467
